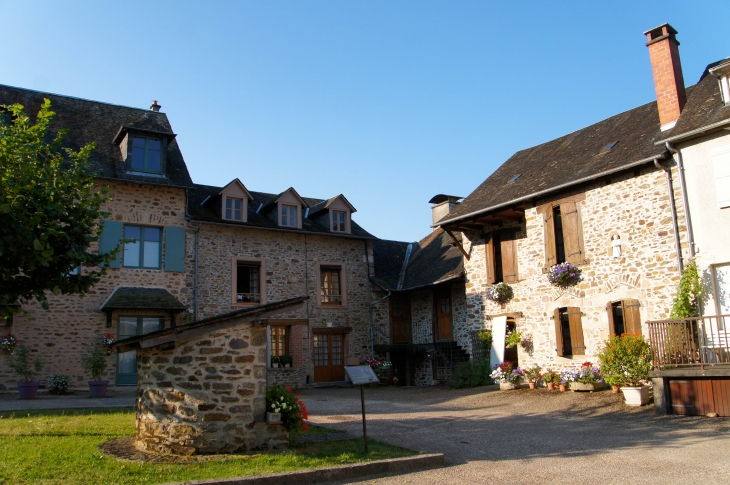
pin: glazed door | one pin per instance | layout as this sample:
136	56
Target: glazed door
127	361
329	357
400	319
443	315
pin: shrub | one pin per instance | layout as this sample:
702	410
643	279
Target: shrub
472	374
94	361
58	383
22	364
626	360
690	293
282	400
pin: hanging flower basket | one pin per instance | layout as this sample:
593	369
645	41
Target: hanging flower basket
8	344
107	340
564	275
501	293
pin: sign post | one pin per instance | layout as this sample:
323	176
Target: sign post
361	375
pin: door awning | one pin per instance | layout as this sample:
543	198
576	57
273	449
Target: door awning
136	298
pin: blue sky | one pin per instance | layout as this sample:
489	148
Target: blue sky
388	103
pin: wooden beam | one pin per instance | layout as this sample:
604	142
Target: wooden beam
458	244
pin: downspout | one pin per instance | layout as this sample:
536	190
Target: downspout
195	275
683	188
670	188
372	336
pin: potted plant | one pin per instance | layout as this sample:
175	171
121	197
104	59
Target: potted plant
587	378
284	407
500	293
533	374
513	339
27	368
551	378
58	384
286	360
626	360
94	362
507	375
564	275
275	361
565	377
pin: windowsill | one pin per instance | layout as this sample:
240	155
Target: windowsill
247	304
146	174
331	305
140	267
283	368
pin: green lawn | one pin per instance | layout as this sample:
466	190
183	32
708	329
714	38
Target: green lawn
61	447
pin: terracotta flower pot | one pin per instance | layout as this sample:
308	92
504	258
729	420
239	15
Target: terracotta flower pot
563	388
615	389
98	388
28	390
550	386
533	385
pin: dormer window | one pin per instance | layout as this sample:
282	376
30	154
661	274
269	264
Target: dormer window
146	154
339	219
234	201
234	209
288	215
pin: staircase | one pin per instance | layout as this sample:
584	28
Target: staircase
451	352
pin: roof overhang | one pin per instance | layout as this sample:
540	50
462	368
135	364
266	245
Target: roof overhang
126	128
705	130
139	298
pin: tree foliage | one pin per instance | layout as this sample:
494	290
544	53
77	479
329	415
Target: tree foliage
690	293
50	211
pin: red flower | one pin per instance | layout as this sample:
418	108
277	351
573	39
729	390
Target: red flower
305	427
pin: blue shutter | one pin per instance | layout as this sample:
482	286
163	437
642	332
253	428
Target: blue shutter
175	249
109	240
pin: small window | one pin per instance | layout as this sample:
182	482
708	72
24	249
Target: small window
288	215
145	249
279	341
624	317
248	282
146	154
234	209
569	331
330	291
338	221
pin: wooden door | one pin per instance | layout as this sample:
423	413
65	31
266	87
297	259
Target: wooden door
400	319
691	397
329	357
443	315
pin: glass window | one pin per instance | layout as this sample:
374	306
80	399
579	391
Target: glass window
248	282
338	221
289	215
233	209
279	341
330	291
559	242
144	250
146	154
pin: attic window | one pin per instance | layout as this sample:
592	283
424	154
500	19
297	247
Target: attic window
514	179
609	146
146	154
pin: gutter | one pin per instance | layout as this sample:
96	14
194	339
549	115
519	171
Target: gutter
683	189
692	133
673	207
195	275
550	190
290	231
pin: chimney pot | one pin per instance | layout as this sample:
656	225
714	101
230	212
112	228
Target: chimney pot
155	107
667	70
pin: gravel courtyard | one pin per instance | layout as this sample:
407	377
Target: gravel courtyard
492	436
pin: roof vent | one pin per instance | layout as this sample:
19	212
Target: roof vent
155	107
514	179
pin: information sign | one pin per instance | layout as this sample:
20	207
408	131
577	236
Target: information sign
361	374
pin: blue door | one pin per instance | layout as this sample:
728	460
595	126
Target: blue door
127	361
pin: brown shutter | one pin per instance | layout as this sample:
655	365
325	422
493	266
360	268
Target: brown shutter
576	331
489	256
572	232
508	245
611	325
549	229
558	332
632	317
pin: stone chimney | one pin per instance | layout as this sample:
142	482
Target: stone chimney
442	205
667	70
155	107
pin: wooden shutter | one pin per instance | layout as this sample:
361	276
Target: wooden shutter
549	229
611	325
175	249
489	257
109	240
572	232
508	246
558	332
576	331
632	316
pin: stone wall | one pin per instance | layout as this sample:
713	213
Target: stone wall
636	207
206	395
60	334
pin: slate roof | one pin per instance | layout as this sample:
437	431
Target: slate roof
136	298
96	122
432	260
570	159
204	204
704	107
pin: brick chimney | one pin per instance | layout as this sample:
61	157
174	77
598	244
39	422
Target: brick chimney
667	70
155	107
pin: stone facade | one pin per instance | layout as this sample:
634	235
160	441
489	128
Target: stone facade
206	395
60	334
635	206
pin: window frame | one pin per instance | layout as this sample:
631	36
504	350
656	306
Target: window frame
274	331
342	267
146	153
234	280
290	208
232	209
576	334
344	223
141	247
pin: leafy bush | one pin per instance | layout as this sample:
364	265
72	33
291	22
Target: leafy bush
22	364
690	293
626	360
282	400
94	361
58	383
472	374
513	339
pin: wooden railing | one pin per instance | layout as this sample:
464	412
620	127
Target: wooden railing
690	341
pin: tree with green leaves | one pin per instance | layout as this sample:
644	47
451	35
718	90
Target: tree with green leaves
690	293
50	212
